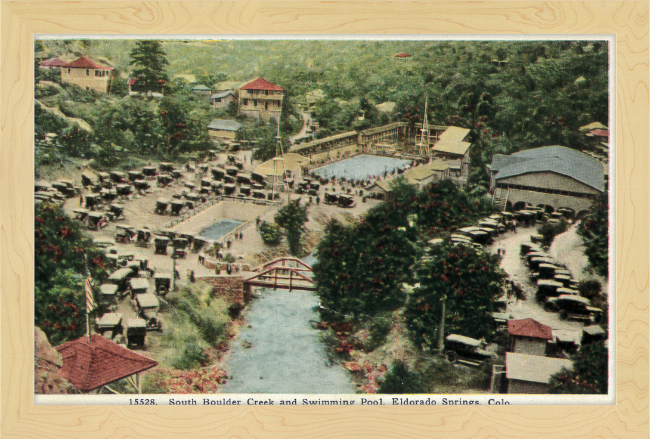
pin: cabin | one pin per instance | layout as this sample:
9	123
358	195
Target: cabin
87	74
531	374
224	129
201	90
553	176
453	145
221	100
528	336
261	99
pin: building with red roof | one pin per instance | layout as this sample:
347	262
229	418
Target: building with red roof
261	99
51	63
90	366
87	74
402	56
528	336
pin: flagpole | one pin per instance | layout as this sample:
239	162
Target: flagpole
87	310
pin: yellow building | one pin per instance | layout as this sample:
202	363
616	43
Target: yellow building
261	99
293	166
87	74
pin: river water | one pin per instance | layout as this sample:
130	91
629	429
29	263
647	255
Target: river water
280	351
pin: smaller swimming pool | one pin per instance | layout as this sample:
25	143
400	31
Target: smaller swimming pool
220	228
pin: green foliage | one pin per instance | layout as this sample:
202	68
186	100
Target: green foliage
60	250
292	219
270	233
183	126
442	206
550	231
149	63
400	380
378	331
589	288
467	281
594	230
589	374
228	257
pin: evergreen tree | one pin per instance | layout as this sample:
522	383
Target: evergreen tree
459	283
589	374
149	62
292	219
594	230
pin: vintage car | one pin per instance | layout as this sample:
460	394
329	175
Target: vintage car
244	178
109	325
107	298
121	278
164	179
96	221
135	332
547	288
143	237
177	207
160	244
180	245
231	170
574	308
118	177
229	189
258	194
346	201
80	214
149	171
593	333
93	201
163	283
329	198
217	173
138	286
148	306
466	350
124	189
166	167
103	242
198	243
142	185
116	211
124	233
135	175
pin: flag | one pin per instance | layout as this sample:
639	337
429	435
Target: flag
90	300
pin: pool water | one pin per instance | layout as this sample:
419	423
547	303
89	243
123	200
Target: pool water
220	228
361	167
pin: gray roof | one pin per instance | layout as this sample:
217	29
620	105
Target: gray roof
227	125
223	94
558	159
534	368
200	87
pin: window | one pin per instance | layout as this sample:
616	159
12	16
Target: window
255	102
245	101
87	72
68	71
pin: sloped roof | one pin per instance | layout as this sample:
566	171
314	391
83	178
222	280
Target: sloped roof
225	125
132	81
223	94
593	126
422	172
85	63
200	87
89	366
291	163
52	62
557	159
261	84
324	140
533	368
530	328
402	55
452	141
600	133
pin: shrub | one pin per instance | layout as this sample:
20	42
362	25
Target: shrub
228	257
270	233
379	329
400	380
191	358
550	231
234	310
589	288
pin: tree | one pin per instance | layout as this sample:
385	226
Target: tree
456	293
270	233
60	260
361	267
292	219
594	229
149	61
589	375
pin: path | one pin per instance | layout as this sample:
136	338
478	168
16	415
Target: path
280	352
303	131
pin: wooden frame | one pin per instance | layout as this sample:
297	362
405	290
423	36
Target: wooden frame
21	20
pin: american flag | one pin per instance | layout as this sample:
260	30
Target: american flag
90	301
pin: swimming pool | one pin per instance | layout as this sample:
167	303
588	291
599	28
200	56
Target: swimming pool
361	167
220	228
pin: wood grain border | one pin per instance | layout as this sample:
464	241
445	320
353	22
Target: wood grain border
20	418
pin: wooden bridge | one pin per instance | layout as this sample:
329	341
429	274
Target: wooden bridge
284	273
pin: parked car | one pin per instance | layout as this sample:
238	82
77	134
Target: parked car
466	350
574	308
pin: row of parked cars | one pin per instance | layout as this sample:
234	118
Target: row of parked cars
556	288
131	278
56	192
